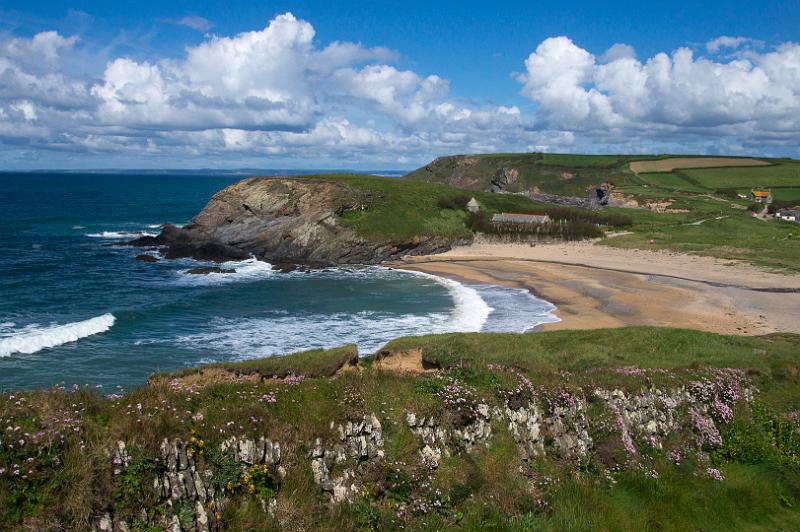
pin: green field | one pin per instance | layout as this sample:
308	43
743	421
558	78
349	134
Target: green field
716	224
783	173
785	193
571	174
66	484
671	182
737	235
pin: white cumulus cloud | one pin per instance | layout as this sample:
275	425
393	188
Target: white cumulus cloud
668	94
277	96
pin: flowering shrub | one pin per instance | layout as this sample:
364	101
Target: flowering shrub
259	480
290	380
565	399
714	473
522	394
707	433
722	393
32	441
631	371
460	400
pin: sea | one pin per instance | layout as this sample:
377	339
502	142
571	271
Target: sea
77	308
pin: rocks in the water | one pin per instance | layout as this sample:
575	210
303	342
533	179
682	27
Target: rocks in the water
210	269
213	251
285	221
146	258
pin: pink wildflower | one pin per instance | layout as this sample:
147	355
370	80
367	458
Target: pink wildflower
714	473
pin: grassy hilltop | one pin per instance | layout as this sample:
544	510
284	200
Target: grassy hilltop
555	173
700	210
397	208
509	432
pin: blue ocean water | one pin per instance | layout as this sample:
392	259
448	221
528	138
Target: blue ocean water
77	308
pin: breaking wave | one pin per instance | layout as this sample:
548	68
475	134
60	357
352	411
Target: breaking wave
280	333
117	235
246	270
33	338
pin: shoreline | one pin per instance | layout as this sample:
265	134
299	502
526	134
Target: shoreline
595	286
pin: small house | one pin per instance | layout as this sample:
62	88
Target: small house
761	196
789	214
473	205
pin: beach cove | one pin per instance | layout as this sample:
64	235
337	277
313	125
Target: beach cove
595	286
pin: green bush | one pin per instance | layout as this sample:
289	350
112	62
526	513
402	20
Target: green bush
456	202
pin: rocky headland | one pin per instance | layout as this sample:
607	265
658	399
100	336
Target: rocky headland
287	222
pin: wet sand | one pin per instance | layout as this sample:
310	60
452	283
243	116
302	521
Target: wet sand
595	286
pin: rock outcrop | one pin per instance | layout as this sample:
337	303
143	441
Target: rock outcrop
504	178
285	221
357	441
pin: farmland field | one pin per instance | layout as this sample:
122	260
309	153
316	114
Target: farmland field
670	181
786	194
783	174
674	163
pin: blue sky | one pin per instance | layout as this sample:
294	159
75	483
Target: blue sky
116	84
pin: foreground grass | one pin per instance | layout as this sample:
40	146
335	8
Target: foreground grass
68	434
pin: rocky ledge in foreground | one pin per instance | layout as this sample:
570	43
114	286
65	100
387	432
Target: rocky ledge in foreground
285	221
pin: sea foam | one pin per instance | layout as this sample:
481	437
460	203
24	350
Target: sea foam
117	235
470	311
33	338
370	330
246	270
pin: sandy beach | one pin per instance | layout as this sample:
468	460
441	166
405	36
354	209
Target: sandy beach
596	286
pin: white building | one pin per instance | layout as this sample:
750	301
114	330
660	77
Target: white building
789	215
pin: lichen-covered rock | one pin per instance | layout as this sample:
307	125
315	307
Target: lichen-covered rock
525	425
568	428
360	441
180	483
437	440
651	414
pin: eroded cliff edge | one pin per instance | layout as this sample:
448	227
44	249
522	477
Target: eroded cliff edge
286	221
